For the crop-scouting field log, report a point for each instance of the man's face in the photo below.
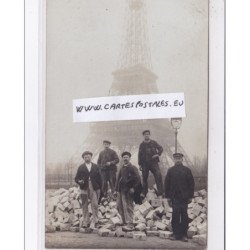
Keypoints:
(106, 145)
(87, 158)
(178, 160)
(126, 159)
(146, 136)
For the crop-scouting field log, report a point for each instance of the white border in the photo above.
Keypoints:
(12, 124)
(41, 128)
(216, 127)
(34, 103)
(31, 124)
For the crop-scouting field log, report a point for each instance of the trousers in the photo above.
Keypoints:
(108, 176)
(93, 195)
(180, 218)
(125, 207)
(154, 168)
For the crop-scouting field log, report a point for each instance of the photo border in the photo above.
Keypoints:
(35, 76)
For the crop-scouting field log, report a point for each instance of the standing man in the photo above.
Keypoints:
(179, 190)
(107, 161)
(89, 179)
(148, 159)
(128, 185)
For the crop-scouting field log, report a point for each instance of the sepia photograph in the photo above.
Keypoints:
(126, 124)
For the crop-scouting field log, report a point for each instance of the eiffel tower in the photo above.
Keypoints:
(134, 75)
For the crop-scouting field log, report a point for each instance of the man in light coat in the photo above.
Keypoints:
(89, 179)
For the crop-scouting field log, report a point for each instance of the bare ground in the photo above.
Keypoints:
(71, 240)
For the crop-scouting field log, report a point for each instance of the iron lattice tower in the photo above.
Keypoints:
(135, 48)
(133, 76)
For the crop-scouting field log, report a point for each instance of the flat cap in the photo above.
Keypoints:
(146, 131)
(177, 155)
(86, 153)
(106, 141)
(126, 153)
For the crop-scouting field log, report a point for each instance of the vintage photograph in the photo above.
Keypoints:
(126, 183)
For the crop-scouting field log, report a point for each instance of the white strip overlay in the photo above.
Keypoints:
(130, 107)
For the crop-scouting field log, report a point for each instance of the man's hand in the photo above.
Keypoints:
(104, 167)
(155, 156)
(108, 164)
(131, 191)
(115, 194)
(81, 181)
(169, 202)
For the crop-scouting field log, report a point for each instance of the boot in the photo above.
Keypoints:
(184, 239)
(128, 228)
(172, 237)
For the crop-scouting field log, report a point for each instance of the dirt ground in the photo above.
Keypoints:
(71, 240)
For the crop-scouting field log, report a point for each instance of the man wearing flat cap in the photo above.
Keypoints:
(107, 161)
(179, 190)
(148, 159)
(89, 179)
(128, 186)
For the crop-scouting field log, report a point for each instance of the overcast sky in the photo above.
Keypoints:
(84, 38)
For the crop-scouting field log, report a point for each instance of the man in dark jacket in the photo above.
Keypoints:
(148, 159)
(128, 183)
(89, 179)
(179, 190)
(107, 161)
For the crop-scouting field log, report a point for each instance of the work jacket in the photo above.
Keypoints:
(147, 150)
(84, 174)
(108, 155)
(128, 177)
(179, 183)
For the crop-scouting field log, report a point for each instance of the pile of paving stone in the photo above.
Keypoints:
(151, 218)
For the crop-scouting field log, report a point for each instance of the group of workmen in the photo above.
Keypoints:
(93, 180)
